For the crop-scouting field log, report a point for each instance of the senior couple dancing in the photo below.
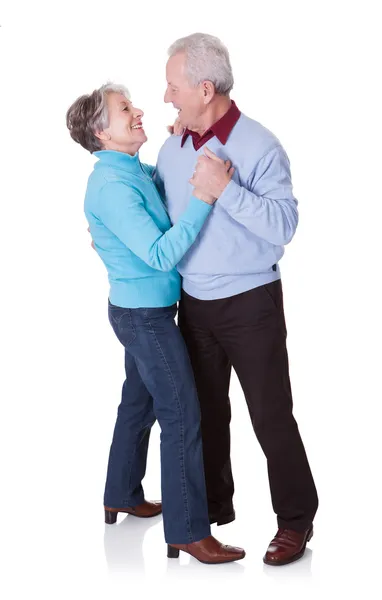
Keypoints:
(206, 228)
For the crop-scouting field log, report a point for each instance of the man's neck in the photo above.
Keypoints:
(215, 111)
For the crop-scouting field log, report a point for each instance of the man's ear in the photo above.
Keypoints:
(208, 91)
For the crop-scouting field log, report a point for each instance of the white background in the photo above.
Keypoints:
(309, 72)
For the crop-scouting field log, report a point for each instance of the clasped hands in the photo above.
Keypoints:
(211, 176)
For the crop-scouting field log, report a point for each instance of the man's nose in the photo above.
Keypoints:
(167, 96)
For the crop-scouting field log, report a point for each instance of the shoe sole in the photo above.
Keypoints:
(127, 512)
(289, 560)
(218, 562)
(143, 516)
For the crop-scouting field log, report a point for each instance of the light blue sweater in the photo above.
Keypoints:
(132, 232)
(253, 219)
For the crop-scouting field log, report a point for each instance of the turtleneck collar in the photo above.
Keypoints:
(121, 160)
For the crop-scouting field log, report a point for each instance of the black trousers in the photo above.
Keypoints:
(248, 332)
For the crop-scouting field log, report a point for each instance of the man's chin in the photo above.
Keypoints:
(182, 121)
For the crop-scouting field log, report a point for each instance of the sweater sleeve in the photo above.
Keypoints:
(148, 169)
(267, 207)
(158, 179)
(122, 211)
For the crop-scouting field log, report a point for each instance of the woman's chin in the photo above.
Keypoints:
(143, 139)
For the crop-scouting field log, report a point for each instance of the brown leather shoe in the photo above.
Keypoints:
(144, 511)
(287, 546)
(209, 551)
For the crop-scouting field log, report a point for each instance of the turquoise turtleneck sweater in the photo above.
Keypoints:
(132, 231)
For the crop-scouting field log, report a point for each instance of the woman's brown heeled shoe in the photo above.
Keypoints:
(143, 511)
(208, 551)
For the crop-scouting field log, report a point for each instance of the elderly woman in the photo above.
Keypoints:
(132, 234)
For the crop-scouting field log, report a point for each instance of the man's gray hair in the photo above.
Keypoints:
(89, 115)
(207, 59)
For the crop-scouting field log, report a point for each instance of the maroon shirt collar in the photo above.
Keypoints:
(221, 128)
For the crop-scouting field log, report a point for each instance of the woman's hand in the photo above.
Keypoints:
(176, 129)
(92, 244)
(204, 197)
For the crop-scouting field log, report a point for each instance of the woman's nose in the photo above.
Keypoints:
(138, 112)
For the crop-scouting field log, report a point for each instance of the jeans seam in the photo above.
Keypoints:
(181, 456)
(131, 468)
(138, 434)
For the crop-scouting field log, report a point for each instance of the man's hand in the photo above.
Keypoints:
(176, 129)
(92, 244)
(212, 174)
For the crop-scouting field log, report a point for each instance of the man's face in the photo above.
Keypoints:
(189, 101)
(125, 129)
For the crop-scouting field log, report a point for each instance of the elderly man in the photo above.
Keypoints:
(231, 312)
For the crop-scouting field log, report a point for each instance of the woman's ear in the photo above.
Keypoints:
(103, 136)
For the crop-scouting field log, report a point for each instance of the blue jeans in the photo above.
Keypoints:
(159, 385)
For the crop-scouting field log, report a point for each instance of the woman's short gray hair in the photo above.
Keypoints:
(89, 114)
(207, 59)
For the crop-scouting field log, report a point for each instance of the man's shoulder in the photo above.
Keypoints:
(254, 134)
(170, 146)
